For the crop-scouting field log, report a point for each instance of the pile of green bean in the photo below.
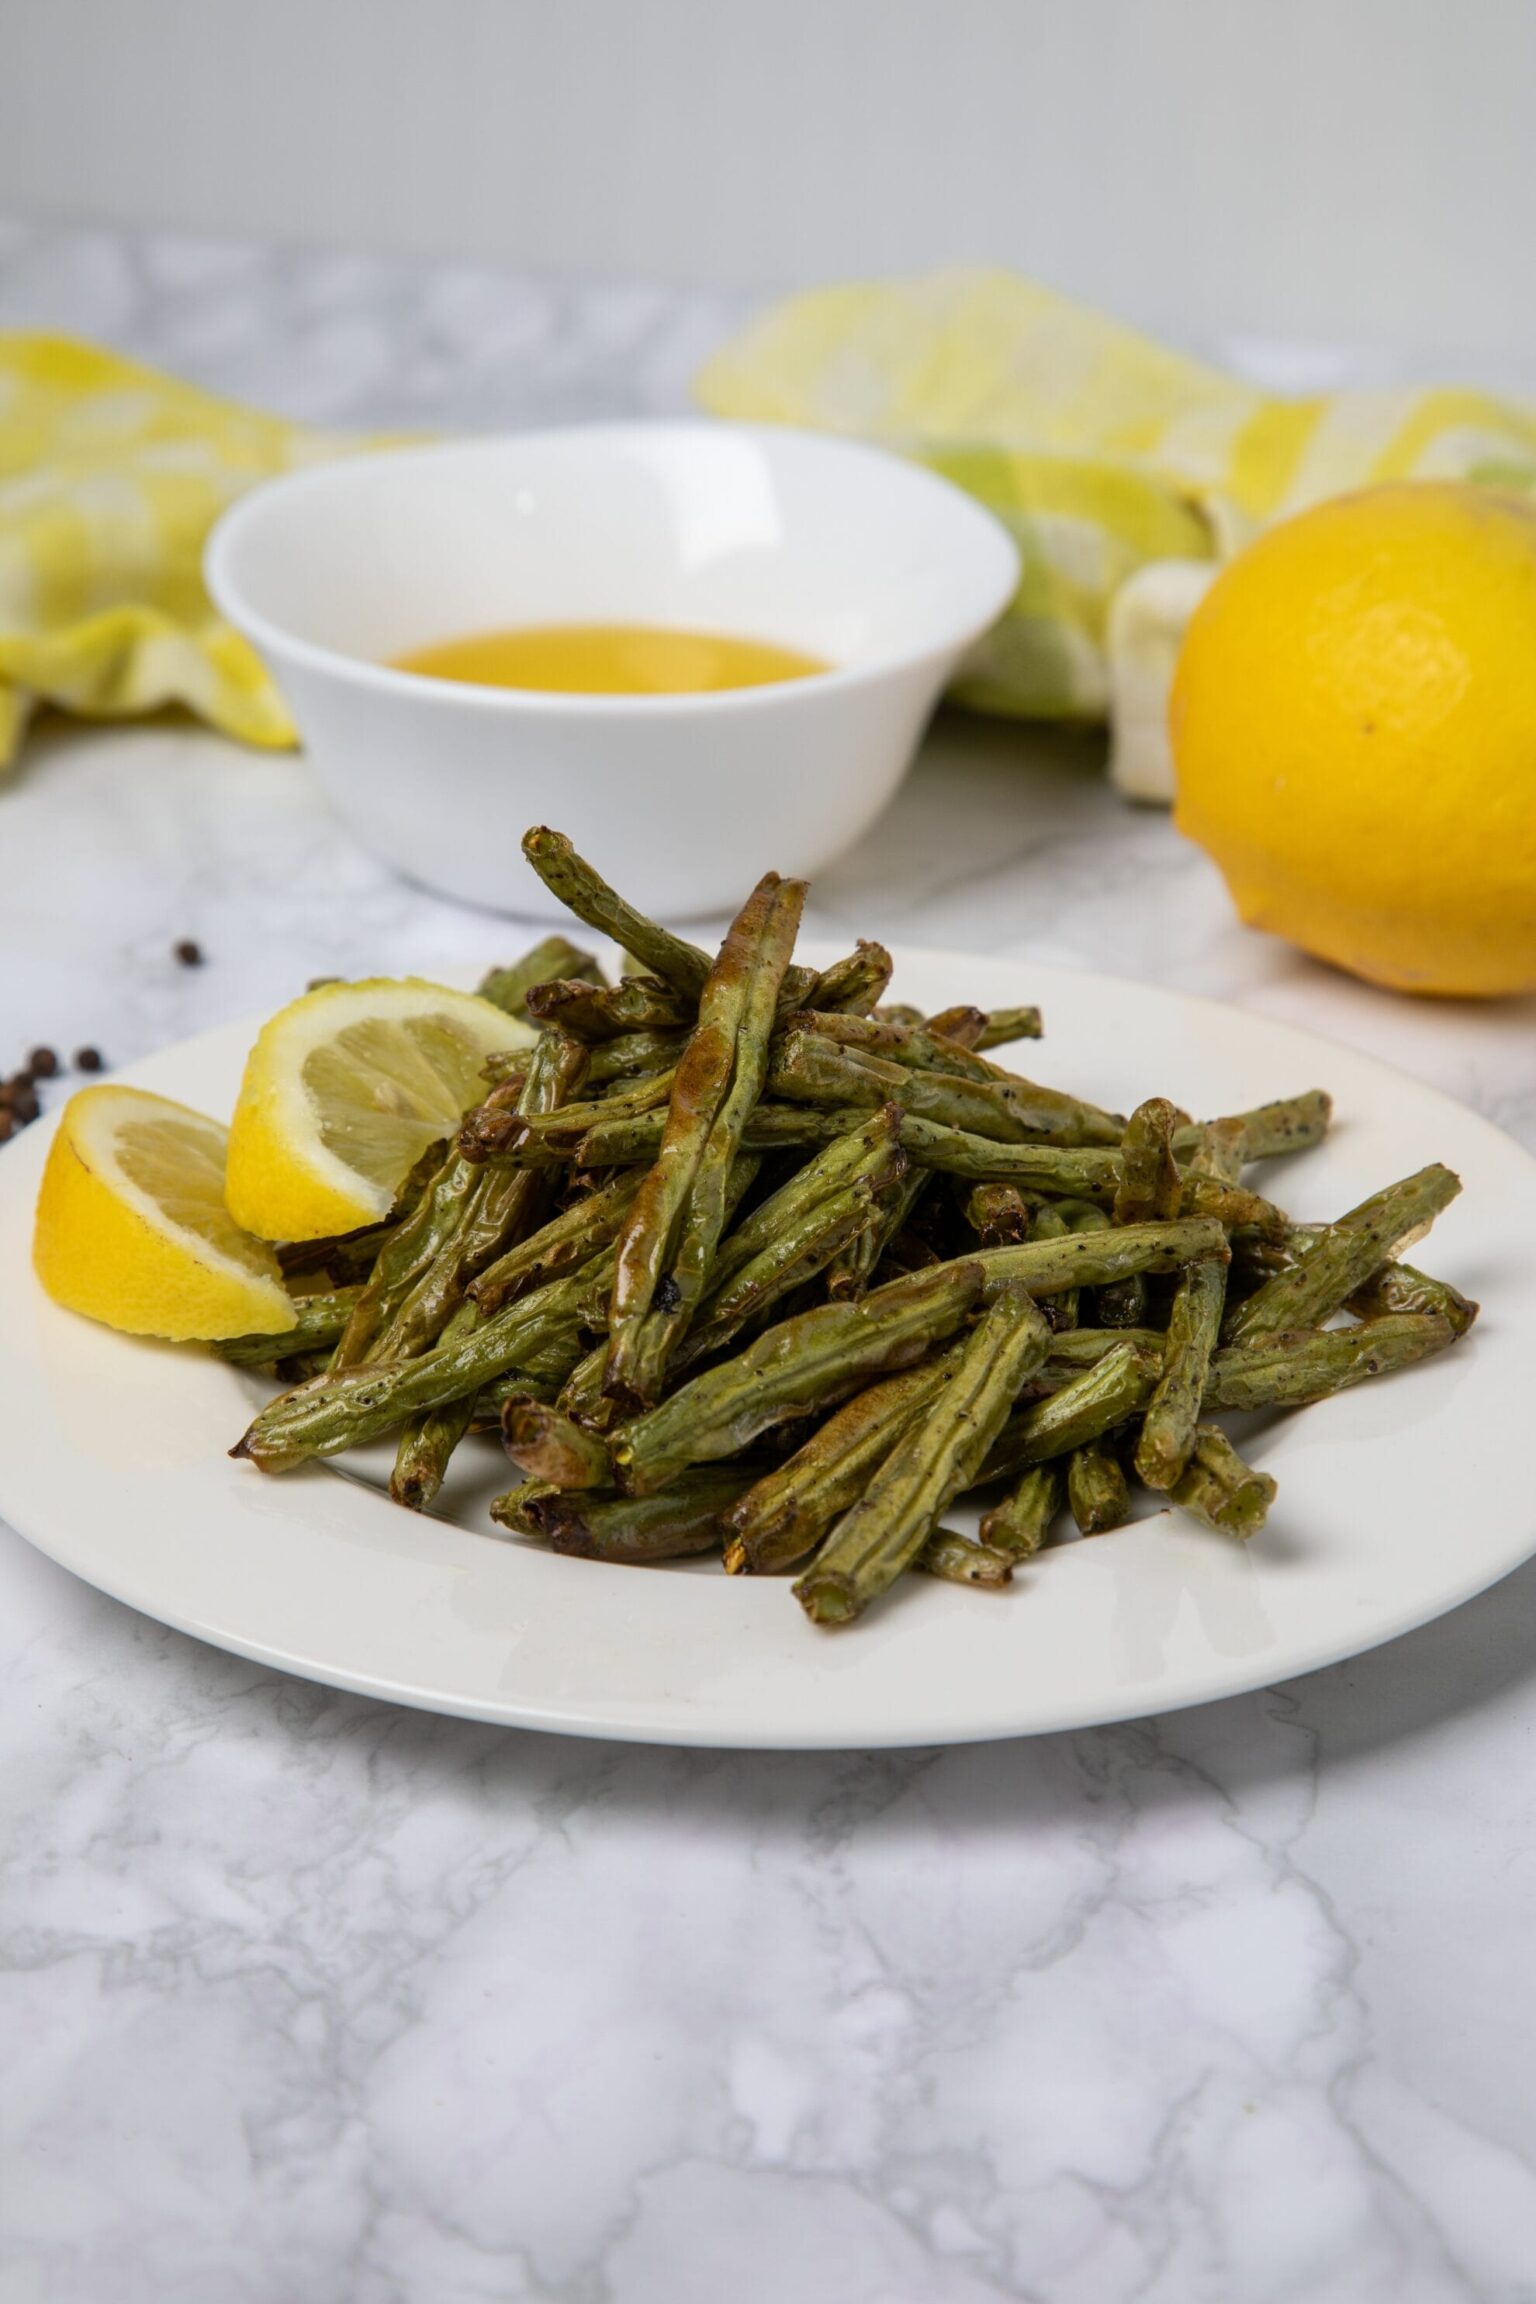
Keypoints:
(737, 1258)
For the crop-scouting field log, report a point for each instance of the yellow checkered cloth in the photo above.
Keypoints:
(110, 478)
(1101, 452)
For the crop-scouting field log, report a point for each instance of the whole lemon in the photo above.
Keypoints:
(1353, 722)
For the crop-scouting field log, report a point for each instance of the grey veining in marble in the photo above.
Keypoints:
(306, 2000)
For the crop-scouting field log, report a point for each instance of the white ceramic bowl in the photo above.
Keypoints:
(842, 551)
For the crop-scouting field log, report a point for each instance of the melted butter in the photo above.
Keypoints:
(610, 660)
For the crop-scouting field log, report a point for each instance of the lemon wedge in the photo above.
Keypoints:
(132, 1227)
(343, 1092)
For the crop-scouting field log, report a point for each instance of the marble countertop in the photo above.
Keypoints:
(307, 2000)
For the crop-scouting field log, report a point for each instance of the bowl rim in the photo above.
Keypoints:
(278, 640)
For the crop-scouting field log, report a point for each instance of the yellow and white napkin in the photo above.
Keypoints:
(1126, 472)
(110, 477)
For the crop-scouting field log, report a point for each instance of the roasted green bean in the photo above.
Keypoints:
(508, 988)
(815, 1356)
(1345, 1257)
(584, 892)
(675, 1222)
(934, 1460)
(1097, 1495)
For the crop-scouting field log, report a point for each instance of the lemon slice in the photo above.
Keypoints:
(132, 1226)
(343, 1092)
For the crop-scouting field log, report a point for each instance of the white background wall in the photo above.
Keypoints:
(1354, 170)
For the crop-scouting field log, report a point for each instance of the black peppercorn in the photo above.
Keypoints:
(89, 1060)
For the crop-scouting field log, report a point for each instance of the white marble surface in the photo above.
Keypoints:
(304, 2000)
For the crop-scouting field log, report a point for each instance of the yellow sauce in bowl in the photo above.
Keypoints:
(610, 660)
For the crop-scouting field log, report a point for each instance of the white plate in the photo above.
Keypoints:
(1397, 1501)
